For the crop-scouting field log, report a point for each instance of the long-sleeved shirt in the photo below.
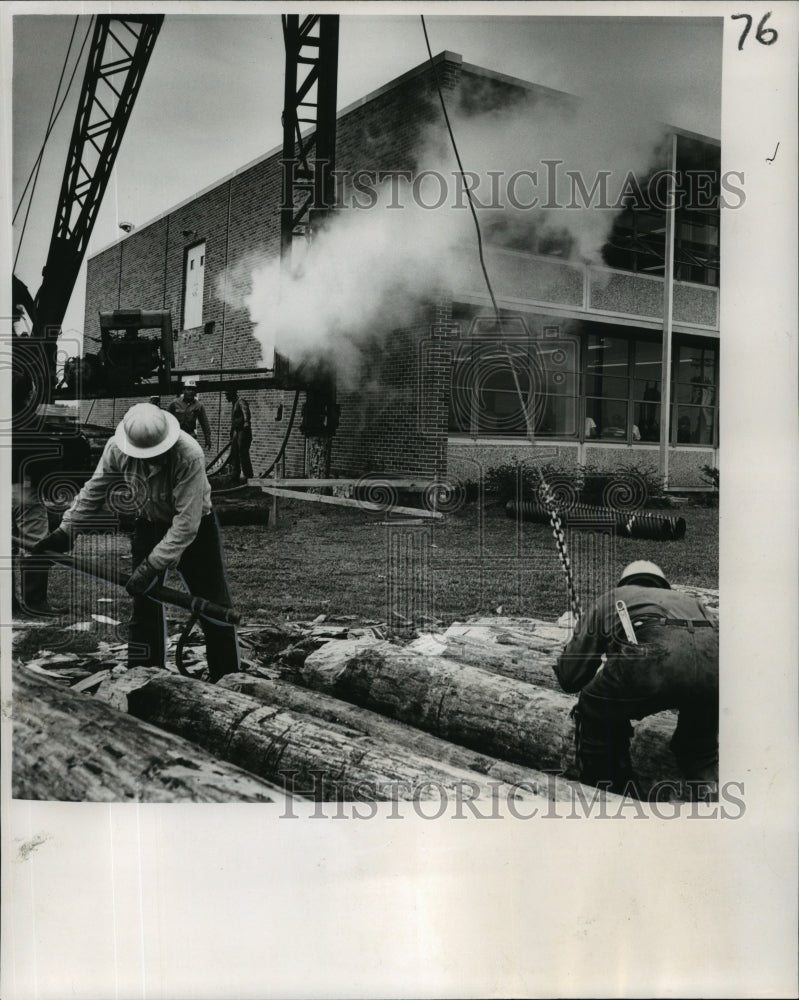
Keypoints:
(240, 414)
(176, 492)
(596, 630)
(188, 414)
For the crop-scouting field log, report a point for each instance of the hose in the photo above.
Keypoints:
(165, 595)
(631, 524)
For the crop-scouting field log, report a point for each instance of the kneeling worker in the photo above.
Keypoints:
(669, 660)
(164, 468)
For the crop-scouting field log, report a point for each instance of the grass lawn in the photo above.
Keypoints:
(336, 561)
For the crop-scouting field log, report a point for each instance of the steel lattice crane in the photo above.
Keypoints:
(120, 49)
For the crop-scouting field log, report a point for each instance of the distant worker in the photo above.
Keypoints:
(240, 436)
(175, 527)
(188, 409)
(28, 512)
(156, 401)
(672, 664)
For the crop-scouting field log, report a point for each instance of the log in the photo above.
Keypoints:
(522, 723)
(320, 760)
(284, 694)
(70, 748)
(466, 645)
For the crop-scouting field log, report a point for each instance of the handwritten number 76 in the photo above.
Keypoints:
(766, 36)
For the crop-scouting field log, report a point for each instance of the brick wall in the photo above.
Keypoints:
(240, 223)
(394, 418)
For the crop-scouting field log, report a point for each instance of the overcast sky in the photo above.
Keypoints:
(212, 95)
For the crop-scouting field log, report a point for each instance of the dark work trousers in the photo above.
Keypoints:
(672, 667)
(240, 452)
(202, 570)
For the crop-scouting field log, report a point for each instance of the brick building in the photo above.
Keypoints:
(440, 396)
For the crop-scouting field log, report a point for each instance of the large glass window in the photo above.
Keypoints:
(607, 387)
(637, 241)
(508, 383)
(623, 386)
(695, 407)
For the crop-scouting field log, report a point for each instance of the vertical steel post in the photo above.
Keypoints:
(668, 303)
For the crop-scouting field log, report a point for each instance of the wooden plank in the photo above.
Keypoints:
(266, 486)
(400, 484)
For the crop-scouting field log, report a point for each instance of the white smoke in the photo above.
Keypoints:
(370, 269)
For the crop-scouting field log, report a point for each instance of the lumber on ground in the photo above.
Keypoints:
(523, 723)
(309, 757)
(346, 501)
(71, 748)
(284, 694)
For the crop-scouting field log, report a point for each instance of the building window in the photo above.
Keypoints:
(507, 382)
(638, 239)
(623, 385)
(607, 388)
(193, 283)
(694, 394)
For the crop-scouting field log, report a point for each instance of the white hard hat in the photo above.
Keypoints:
(146, 431)
(642, 567)
(189, 383)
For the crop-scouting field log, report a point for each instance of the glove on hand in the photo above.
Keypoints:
(56, 541)
(142, 579)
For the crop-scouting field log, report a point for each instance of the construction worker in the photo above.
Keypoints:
(188, 410)
(164, 469)
(240, 436)
(29, 514)
(669, 659)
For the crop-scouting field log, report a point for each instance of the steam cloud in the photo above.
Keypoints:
(371, 268)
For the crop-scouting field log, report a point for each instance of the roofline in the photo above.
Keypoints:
(444, 56)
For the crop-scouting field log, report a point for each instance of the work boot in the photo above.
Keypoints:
(34, 594)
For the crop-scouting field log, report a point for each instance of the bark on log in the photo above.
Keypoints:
(529, 664)
(70, 748)
(522, 723)
(321, 760)
(286, 695)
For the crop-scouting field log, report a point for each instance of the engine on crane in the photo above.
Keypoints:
(127, 356)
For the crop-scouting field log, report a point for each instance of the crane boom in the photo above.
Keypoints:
(120, 50)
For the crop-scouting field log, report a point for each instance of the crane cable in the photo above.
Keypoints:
(545, 490)
(54, 114)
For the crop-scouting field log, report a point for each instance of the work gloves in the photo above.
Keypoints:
(143, 578)
(56, 541)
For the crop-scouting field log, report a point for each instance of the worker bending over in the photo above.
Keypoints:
(670, 661)
(164, 470)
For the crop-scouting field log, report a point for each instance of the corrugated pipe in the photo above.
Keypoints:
(632, 524)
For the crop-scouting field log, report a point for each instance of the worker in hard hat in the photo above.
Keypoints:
(661, 651)
(189, 411)
(164, 470)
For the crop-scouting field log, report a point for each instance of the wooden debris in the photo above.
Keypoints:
(320, 759)
(72, 748)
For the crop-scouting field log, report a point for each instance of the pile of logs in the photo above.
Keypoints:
(322, 711)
